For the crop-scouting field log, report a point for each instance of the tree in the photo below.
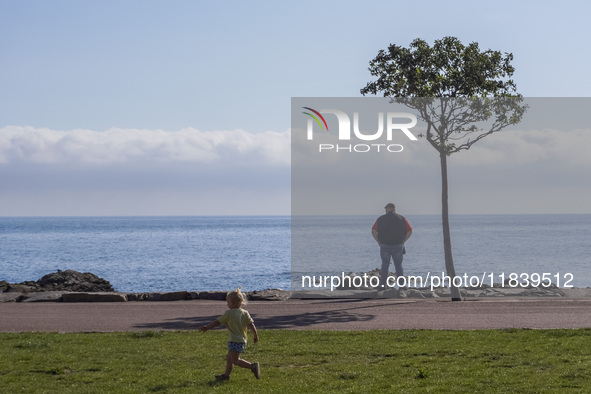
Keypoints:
(461, 93)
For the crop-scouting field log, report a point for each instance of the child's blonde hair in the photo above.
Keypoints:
(236, 297)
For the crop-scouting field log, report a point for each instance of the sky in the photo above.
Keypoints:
(183, 107)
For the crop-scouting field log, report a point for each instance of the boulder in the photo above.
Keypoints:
(193, 295)
(172, 296)
(10, 297)
(74, 281)
(175, 296)
(213, 295)
(94, 297)
(269, 295)
(137, 296)
(42, 296)
(24, 287)
(413, 293)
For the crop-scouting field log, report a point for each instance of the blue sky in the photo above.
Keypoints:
(218, 77)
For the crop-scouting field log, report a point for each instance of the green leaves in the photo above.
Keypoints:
(463, 93)
(448, 69)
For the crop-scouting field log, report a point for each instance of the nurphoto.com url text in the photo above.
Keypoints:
(433, 281)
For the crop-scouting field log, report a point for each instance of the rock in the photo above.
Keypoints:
(43, 296)
(171, 296)
(412, 293)
(74, 281)
(21, 288)
(155, 296)
(137, 296)
(68, 280)
(388, 293)
(269, 295)
(213, 295)
(10, 297)
(442, 292)
(94, 297)
(576, 292)
(491, 292)
(175, 296)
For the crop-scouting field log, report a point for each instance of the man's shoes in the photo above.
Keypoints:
(222, 377)
(256, 370)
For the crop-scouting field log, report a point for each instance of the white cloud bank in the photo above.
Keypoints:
(143, 172)
(191, 172)
(22, 144)
(47, 146)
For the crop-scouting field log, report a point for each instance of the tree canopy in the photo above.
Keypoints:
(475, 92)
(448, 69)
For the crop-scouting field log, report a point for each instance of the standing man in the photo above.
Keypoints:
(391, 231)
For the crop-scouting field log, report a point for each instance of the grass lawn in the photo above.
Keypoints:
(488, 361)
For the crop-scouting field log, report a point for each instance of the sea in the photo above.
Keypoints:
(207, 253)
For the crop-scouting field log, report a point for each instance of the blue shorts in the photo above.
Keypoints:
(236, 347)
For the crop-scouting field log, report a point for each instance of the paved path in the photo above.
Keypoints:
(328, 314)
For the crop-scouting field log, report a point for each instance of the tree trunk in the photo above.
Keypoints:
(449, 262)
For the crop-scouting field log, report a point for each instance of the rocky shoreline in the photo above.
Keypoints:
(66, 296)
(73, 286)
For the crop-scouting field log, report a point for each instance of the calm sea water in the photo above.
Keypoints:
(140, 254)
(220, 253)
(491, 245)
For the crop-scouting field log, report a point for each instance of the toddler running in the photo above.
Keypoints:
(237, 320)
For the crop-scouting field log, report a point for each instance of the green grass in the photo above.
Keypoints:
(409, 361)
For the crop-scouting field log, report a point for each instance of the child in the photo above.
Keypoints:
(237, 320)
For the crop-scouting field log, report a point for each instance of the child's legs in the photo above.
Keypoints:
(229, 364)
(234, 358)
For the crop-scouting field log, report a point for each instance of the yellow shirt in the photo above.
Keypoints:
(237, 321)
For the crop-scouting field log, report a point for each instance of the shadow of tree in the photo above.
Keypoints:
(284, 321)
